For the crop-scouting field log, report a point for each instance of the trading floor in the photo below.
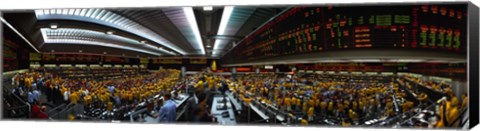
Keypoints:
(341, 99)
(391, 66)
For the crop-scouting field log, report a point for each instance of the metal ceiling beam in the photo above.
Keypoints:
(19, 34)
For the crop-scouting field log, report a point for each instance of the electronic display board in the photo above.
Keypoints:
(307, 29)
(167, 61)
(198, 61)
(10, 55)
(35, 56)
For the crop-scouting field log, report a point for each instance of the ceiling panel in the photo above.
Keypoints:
(257, 17)
(108, 18)
(167, 28)
(186, 22)
(157, 21)
(238, 16)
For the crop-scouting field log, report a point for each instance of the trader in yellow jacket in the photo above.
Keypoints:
(422, 97)
(464, 101)
(330, 108)
(211, 83)
(109, 106)
(311, 102)
(452, 111)
(87, 100)
(287, 103)
(298, 104)
(323, 107)
(293, 102)
(441, 120)
(279, 102)
(305, 106)
(355, 105)
(340, 109)
(74, 97)
(345, 123)
(304, 122)
(310, 113)
(361, 106)
(199, 86)
(352, 115)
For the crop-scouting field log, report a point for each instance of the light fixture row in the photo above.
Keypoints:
(85, 35)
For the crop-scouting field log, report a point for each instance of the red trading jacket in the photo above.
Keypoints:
(36, 113)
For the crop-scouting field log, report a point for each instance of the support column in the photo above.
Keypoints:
(459, 88)
(425, 78)
(234, 72)
(184, 72)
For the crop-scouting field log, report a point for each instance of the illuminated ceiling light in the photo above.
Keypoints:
(54, 26)
(96, 43)
(77, 11)
(110, 32)
(194, 27)
(410, 60)
(207, 8)
(331, 61)
(366, 60)
(80, 51)
(227, 12)
(209, 46)
(52, 51)
(83, 34)
(143, 42)
(64, 11)
(19, 34)
(105, 53)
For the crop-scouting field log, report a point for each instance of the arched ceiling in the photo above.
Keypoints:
(152, 32)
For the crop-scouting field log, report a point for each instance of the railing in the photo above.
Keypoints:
(63, 114)
(433, 95)
(459, 118)
(24, 107)
(54, 110)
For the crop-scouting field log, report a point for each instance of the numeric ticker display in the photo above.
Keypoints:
(307, 29)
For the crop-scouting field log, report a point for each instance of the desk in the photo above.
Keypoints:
(180, 102)
(142, 108)
(258, 111)
(234, 101)
(151, 120)
(218, 113)
(261, 113)
(433, 95)
(279, 115)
